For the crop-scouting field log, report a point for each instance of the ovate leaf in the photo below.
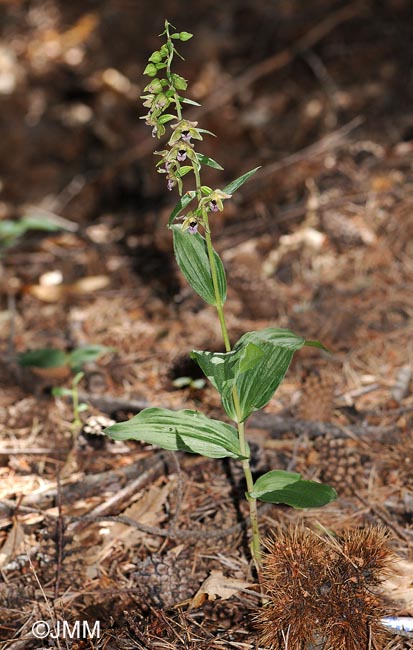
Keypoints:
(278, 486)
(257, 384)
(185, 430)
(192, 258)
(276, 479)
(256, 366)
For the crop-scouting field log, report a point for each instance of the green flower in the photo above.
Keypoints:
(181, 151)
(190, 223)
(213, 201)
(184, 130)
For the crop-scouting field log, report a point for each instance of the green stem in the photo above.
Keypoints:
(76, 419)
(256, 543)
(171, 50)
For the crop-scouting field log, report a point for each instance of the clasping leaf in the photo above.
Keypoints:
(192, 257)
(256, 367)
(184, 430)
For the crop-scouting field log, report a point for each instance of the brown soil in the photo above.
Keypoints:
(320, 241)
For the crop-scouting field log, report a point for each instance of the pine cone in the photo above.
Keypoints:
(342, 463)
(225, 613)
(165, 580)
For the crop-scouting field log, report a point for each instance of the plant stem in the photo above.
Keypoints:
(256, 543)
(170, 46)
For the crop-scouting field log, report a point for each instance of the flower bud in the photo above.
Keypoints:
(150, 70)
(185, 36)
(154, 87)
(156, 57)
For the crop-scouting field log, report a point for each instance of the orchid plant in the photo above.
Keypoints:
(247, 374)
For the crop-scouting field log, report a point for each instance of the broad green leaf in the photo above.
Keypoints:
(44, 358)
(256, 366)
(86, 354)
(249, 357)
(218, 368)
(181, 205)
(276, 479)
(180, 430)
(205, 160)
(278, 486)
(235, 185)
(257, 385)
(192, 258)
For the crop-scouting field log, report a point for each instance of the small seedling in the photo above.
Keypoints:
(52, 359)
(11, 230)
(247, 374)
(73, 393)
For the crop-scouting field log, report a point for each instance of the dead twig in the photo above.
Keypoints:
(110, 404)
(31, 451)
(118, 500)
(327, 143)
(278, 425)
(59, 538)
(168, 532)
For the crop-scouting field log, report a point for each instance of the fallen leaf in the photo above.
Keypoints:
(89, 284)
(399, 586)
(48, 293)
(55, 292)
(217, 585)
(13, 544)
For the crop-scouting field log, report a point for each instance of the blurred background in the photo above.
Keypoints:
(320, 96)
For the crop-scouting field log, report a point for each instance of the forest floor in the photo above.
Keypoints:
(319, 241)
